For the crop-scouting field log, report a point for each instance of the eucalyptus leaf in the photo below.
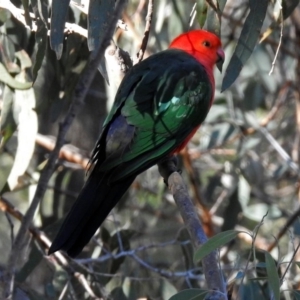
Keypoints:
(201, 12)
(41, 36)
(273, 278)
(100, 11)
(24, 113)
(214, 243)
(247, 41)
(8, 124)
(58, 19)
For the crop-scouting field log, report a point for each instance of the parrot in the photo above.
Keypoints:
(159, 105)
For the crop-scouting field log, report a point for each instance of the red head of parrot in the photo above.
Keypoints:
(205, 46)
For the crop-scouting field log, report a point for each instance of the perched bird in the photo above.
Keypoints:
(160, 104)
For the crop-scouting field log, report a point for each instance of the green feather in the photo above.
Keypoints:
(164, 98)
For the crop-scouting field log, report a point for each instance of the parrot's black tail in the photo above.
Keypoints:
(92, 206)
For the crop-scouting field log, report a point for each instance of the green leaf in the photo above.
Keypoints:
(215, 242)
(201, 12)
(273, 278)
(191, 294)
(41, 42)
(12, 82)
(58, 20)
(41, 36)
(8, 124)
(247, 41)
(213, 23)
(4, 15)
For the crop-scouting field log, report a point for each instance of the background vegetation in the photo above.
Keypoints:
(241, 168)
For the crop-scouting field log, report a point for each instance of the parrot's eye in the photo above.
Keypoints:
(206, 44)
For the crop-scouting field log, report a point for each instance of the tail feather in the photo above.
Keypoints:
(92, 206)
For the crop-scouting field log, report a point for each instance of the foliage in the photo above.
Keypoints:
(242, 166)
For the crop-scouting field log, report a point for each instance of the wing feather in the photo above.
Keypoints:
(161, 101)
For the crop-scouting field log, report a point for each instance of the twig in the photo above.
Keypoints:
(67, 152)
(141, 52)
(279, 43)
(213, 275)
(284, 229)
(290, 263)
(80, 92)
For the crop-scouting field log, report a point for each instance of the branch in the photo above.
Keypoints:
(140, 54)
(213, 275)
(69, 153)
(78, 100)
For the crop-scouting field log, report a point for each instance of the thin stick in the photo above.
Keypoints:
(141, 53)
(279, 44)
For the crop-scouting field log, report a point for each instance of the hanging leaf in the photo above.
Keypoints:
(8, 124)
(213, 21)
(201, 12)
(247, 41)
(214, 243)
(100, 13)
(26, 118)
(40, 10)
(273, 278)
(58, 19)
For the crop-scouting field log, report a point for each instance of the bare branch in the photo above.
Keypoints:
(213, 275)
(140, 54)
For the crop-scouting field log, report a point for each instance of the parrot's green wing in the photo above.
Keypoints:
(159, 103)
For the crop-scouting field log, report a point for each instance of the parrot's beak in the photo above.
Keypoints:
(221, 58)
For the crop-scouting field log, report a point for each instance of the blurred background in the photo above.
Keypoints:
(241, 168)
